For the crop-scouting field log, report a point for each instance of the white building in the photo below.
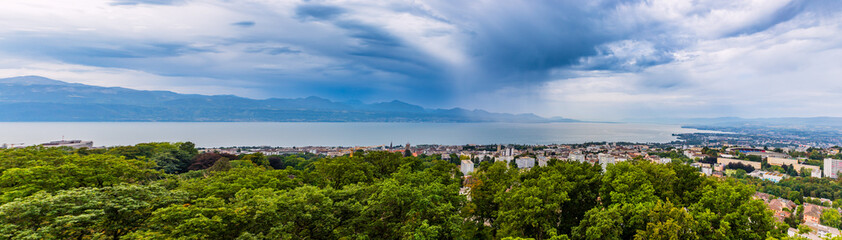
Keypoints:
(542, 161)
(605, 159)
(525, 162)
(707, 170)
(818, 231)
(579, 157)
(467, 167)
(832, 167)
(771, 176)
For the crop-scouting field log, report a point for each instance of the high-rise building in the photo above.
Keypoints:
(604, 160)
(832, 167)
(467, 167)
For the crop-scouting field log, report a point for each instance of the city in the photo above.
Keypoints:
(812, 215)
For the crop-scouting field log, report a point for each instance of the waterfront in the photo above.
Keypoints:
(286, 134)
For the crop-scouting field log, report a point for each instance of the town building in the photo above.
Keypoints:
(70, 143)
(815, 171)
(707, 170)
(832, 167)
(505, 159)
(726, 161)
(525, 162)
(772, 176)
(782, 208)
(812, 213)
(467, 167)
(604, 160)
(777, 161)
(818, 232)
(543, 160)
(579, 157)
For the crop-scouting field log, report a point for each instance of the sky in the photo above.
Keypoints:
(606, 60)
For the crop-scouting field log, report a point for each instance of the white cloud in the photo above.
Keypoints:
(788, 70)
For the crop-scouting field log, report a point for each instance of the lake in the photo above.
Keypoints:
(286, 134)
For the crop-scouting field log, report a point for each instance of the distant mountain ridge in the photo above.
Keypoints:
(33, 98)
(780, 122)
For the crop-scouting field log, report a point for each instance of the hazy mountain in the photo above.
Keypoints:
(783, 122)
(33, 98)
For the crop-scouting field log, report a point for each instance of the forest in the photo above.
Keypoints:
(171, 191)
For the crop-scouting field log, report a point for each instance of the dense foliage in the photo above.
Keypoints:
(164, 191)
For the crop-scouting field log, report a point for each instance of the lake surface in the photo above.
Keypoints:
(286, 134)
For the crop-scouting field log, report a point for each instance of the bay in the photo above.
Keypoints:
(287, 134)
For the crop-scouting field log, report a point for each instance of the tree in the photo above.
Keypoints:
(276, 162)
(225, 184)
(587, 179)
(419, 205)
(805, 172)
(171, 158)
(340, 171)
(804, 229)
(222, 164)
(206, 160)
(257, 158)
(384, 163)
(688, 184)
(744, 167)
(82, 213)
(665, 221)
(831, 217)
(486, 185)
(644, 220)
(623, 182)
(300, 213)
(797, 216)
(533, 209)
(602, 223)
(727, 210)
(73, 171)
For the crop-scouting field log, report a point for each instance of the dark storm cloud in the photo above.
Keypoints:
(430, 51)
(521, 42)
(370, 46)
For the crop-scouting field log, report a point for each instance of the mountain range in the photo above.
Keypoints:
(803, 123)
(34, 98)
